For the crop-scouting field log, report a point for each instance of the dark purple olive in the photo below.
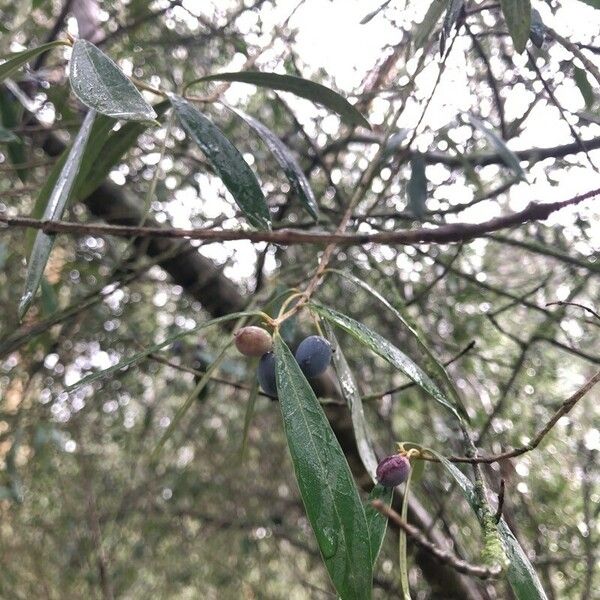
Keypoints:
(266, 374)
(313, 355)
(393, 470)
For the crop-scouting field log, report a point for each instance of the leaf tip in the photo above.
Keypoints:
(24, 304)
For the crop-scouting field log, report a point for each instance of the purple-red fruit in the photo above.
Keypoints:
(253, 341)
(313, 355)
(266, 374)
(393, 470)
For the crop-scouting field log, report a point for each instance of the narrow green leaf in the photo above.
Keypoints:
(592, 3)
(370, 16)
(250, 407)
(49, 299)
(136, 357)
(10, 117)
(583, 83)
(116, 145)
(57, 203)
(353, 398)
(517, 14)
(537, 35)
(376, 521)
(97, 162)
(452, 13)
(7, 136)
(296, 85)
(384, 348)
(101, 85)
(227, 161)
(15, 61)
(417, 186)
(510, 159)
(435, 369)
(332, 502)
(520, 572)
(424, 29)
(283, 155)
(402, 543)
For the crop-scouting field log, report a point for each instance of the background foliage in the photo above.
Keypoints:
(487, 123)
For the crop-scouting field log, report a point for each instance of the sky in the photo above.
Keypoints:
(331, 39)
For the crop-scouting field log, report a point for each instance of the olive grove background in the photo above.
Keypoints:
(88, 508)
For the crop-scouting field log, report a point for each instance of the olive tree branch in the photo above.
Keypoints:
(455, 232)
(445, 556)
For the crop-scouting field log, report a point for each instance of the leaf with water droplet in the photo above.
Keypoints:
(509, 158)
(517, 14)
(520, 572)
(354, 400)
(384, 348)
(416, 348)
(57, 203)
(227, 161)
(287, 162)
(376, 521)
(328, 490)
(296, 85)
(100, 84)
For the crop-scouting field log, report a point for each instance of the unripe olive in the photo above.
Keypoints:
(393, 470)
(313, 355)
(252, 341)
(266, 374)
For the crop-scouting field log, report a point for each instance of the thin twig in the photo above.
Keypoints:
(564, 409)
(442, 555)
(562, 303)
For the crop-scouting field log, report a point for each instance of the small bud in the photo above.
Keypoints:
(253, 341)
(393, 470)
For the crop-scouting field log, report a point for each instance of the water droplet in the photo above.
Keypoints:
(328, 542)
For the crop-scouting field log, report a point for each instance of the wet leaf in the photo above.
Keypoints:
(425, 28)
(227, 161)
(582, 82)
(57, 203)
(286, 161)
(250, 408)
(417, 186)
(10, 117)
(520, 572)
(304, 88)
(386, 350)
(376, 521)
(537, 35)
(101, 85)
(509, 158)
(517, 14)
(452, 13)
(435, 369)
(353, 398)
(403, 563)
(138, 356)
(332, 502)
